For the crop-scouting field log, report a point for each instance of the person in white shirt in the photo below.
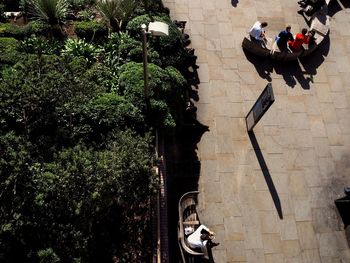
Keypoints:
(201, 239)
(257, 32)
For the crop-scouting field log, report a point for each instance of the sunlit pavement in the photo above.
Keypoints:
(304, 138)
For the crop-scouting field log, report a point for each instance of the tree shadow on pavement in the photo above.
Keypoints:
(183, 171)
(266, 173)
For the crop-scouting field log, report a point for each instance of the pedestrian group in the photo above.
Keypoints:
(285, 40)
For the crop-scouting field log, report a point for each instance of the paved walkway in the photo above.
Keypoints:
(304, 137)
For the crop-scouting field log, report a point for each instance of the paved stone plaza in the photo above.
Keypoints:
(304, 138)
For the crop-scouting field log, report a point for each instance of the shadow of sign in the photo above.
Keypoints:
(266, 173)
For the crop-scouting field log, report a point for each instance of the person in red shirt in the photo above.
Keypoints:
(300, 39)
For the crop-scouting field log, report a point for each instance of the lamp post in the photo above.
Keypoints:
(154, 29)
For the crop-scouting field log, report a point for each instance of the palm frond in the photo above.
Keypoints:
(118, 10)
(49, 10)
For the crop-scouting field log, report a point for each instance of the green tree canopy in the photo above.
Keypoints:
(84, 204)
(166, 91)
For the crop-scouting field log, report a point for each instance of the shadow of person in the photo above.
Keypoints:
(336, 6)
(234, 3)
(263, 66)
(313, 61)
(292, 73)
(210, 258)
(345, 3)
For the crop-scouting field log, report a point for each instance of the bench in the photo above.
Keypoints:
(188, 217)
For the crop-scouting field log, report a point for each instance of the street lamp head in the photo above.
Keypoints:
(143, 26)
(158, 28)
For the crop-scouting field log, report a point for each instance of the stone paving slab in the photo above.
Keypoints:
(304, 138)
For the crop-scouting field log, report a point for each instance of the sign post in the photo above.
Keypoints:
(262, 104)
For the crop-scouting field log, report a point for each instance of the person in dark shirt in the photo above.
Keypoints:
(283, 37)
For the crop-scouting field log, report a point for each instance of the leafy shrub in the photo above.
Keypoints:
(72, 202)
(170, 48)
(20, 32)
(123, 43)
(48, 256)
(109, 111)
(31, 93)
(90, 30)
(80, 48)
(104, 113)
(151, 7)
(8, 51)
(79, 4)
(40, 45)
(90, 189)
(104, 75)
(166, 86)
(85, 15)
(39, 28)
(8, 43)
(11, 30)
(121, 48)
(2, 15)
(161, 116)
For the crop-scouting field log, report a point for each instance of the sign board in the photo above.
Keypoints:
(261, 105)
(343, 206)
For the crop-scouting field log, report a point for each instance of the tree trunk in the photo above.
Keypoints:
(57, 31)
(114, 25)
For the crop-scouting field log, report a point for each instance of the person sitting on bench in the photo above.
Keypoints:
(257, 33)
(283, 37)
(201, 239)
(300, 39)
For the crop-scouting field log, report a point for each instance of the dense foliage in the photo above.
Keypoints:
(76, 131)
(70, 164)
